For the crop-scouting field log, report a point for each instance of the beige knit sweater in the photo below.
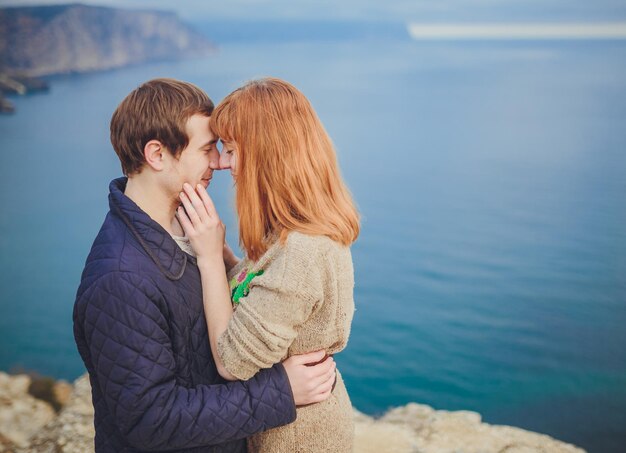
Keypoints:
(302, 302)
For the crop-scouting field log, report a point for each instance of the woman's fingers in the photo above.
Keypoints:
(185, 222)
(206, 199)
(196, 202)
(191, 210)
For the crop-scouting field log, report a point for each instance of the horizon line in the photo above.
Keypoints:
(517, 31)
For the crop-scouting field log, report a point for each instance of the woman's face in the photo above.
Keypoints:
(228, 157)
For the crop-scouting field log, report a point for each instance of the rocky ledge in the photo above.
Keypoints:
(29, 424)
(16, 83)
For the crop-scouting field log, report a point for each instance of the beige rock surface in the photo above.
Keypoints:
(420, 428)
(21, 415)
(63, 391)
(6, 446)
(72, 431)
(414, 428)
(378, 436)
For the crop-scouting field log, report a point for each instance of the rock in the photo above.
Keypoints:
(43, 388)
(62, 392)
(417, 416)
(414, 428)
(21, 83)
(6, 446)
(18, 84)
(5, 105)
(53, 39)
(72, 431)
(21, 415)
(374, 436)
(420, 428)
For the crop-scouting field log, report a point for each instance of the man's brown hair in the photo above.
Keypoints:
(156, 110)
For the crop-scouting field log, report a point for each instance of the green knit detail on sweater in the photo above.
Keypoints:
(240, 286)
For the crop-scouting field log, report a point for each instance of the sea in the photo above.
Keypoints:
(491, 179)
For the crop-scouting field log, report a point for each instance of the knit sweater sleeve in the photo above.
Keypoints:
(236, 269)
(267, 320)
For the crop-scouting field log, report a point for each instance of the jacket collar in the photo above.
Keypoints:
(157, 242)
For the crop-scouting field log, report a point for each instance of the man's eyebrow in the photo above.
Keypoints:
(210, 143)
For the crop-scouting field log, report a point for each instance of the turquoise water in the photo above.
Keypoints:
(491, 269)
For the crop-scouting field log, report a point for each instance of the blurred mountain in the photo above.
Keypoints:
(43, 40)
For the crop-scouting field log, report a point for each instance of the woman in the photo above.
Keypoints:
(293, 293)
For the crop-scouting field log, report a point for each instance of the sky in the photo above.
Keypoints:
(437, 11)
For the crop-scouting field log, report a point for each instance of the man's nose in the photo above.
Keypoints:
(214, 164)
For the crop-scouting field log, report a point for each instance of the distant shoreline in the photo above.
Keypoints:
(18, 84)
(37, 41)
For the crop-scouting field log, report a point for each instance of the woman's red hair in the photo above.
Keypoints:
(288, 178)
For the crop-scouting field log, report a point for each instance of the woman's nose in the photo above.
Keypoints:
(224, 162)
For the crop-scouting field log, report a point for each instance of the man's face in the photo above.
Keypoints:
(196, 162)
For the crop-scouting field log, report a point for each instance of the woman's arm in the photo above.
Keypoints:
(206, 232)
(217, 306)
(260, 332)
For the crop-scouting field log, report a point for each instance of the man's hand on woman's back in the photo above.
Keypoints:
(310, 383)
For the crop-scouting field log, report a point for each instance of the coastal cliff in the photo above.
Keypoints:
(44, 40)
(28, 424)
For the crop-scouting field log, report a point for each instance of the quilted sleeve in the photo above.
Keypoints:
(134, 366)
(267, 320)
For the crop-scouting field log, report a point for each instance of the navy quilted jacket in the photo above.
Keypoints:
(140, 328)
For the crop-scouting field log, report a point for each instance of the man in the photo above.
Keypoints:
(138, 318)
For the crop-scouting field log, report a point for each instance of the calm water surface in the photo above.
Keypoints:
(491, 269)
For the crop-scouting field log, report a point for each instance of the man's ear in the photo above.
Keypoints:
(154, 153)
